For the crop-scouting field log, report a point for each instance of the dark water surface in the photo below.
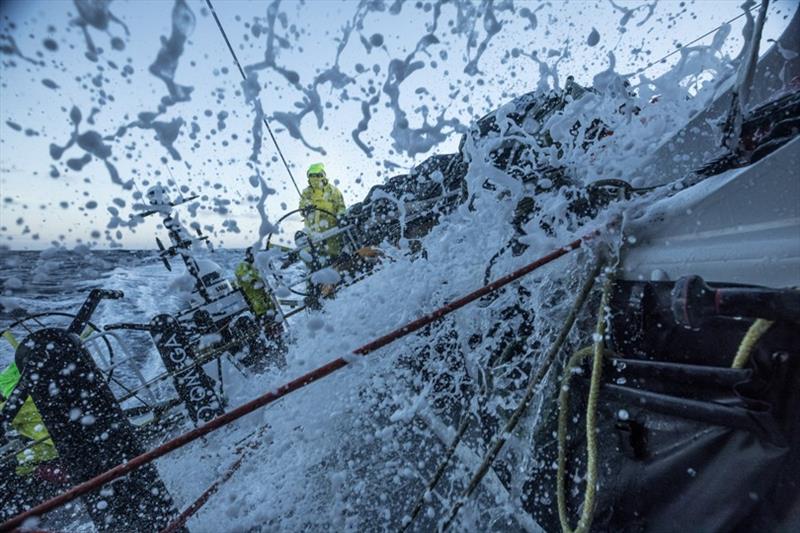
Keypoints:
(59, 280)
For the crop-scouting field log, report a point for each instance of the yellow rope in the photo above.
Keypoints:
(753, 335)
(500, 439)
(590, 492)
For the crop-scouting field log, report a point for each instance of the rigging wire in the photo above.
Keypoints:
(275, 141)
(244, 77)
(706, 34)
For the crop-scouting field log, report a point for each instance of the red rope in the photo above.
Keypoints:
(179, 522)
(298, 383)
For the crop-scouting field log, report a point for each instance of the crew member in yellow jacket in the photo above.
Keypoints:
(321, 204)
(36, 475)
(28, 424)
(252, 285)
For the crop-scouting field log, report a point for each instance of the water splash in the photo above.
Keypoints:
(363, 124)
(96, 14)
(629, 12)
(96, 145)
(594, 37)
(251, 89)
(492, 27)
(166, 63)
(533, 21)
(265, 227)
(9, 47)
(91, 142)
(312, 101)
(406, 139)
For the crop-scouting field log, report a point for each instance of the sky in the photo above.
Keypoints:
(423, 79)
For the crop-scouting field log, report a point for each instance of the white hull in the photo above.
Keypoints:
(742, 226)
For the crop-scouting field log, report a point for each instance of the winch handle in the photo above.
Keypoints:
(89, 306)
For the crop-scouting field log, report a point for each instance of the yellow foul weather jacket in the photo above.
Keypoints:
(327, 201)
(27, 423)
(252, 285)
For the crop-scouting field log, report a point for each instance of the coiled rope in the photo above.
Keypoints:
(590, 492)
(502, 437)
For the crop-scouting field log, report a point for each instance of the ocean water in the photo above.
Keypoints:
(36, 284)
(353, 451)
